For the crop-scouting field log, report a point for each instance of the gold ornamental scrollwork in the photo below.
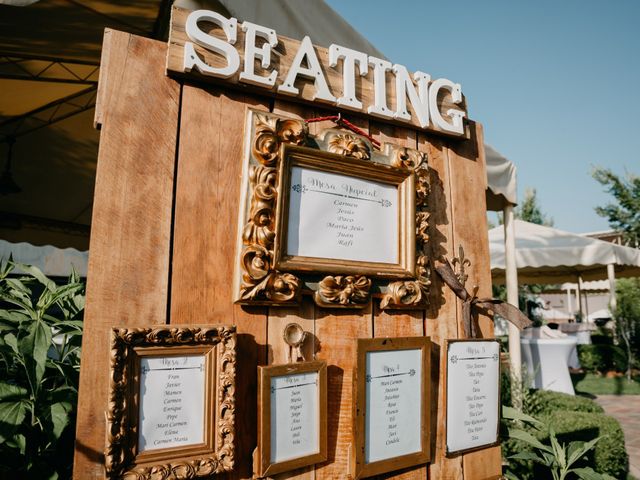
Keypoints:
(343, 291)
(271, 132)
(349, 146)
(122, 422)
(413, 293)
(260, 281)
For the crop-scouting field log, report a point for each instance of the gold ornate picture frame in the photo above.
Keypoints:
(292, 433)
(392, 405)
(268, 273)
(157, 375)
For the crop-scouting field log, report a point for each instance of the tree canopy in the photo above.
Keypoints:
(529, 210)
(624, 214)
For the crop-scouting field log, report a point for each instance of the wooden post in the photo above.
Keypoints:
(511, 277)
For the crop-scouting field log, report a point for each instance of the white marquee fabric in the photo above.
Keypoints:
(548, 255)
(501, 179)
(54, 262)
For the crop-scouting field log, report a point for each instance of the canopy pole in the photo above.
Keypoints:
(511, 279)
(611, 275)
(579, 290)
(569, 301)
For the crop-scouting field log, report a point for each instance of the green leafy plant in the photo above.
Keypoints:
(40, 335)
(559, 459)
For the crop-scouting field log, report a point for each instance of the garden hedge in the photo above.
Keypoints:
(602, 358)
(545, 402)
(609, 455)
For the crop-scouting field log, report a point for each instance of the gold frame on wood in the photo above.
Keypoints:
(446, 405)
(360, 469)
(295, 156)
(216, 453)
(263, 466)
(266, 276)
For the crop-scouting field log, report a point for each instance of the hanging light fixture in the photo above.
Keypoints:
(7, 184)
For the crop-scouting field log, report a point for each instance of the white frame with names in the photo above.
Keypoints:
(471, 363)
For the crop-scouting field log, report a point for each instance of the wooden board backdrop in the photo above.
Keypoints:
(163, 237)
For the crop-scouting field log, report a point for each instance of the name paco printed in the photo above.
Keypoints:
(421, 92)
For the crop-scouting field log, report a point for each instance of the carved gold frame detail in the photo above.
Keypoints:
(216, 454)
(262, 278)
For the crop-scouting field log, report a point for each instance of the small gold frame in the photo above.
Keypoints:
(216, 453)
(263, 465)
(402, 179)
(361, 469)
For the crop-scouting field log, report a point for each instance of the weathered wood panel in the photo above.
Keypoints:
(468, 184)
(128, 274)
(281, 59)
(206, 211)
(441, 316)
(142, 267)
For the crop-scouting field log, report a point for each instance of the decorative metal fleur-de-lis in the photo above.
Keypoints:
(459, 265)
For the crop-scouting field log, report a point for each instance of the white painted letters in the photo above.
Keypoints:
(351, 58)
(226, 49)
(313, 71)
(251, 52)
(307, 65)
(456, 115)
(379, 107)
(419, 100)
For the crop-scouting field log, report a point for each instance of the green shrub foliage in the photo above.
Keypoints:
(544, 402)
(602, 358)
(609, 455)
(574, 420)
(40, 335)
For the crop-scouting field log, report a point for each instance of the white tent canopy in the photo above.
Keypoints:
(54, 262)
(548, 255)
(501, 180)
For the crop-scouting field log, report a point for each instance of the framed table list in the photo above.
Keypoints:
(342, 216)
(392, 393)
(171, 401)
(292, 412)
(473, 394)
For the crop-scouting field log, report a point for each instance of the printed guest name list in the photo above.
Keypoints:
(472, 394)
(393, 404)
(295, 416)
(171, 402)
(342, 217)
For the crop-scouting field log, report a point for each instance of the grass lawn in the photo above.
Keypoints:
(590, 383)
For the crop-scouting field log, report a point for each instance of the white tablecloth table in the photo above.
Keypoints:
(547, 361)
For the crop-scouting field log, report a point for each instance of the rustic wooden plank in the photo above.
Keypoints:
(279, 318)
(282, 57)
(110, 65)
(440, 317)
(304, 315)
(206, 215)
(131, 225)
(398, 323)
(468, 186)
(337, 332)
